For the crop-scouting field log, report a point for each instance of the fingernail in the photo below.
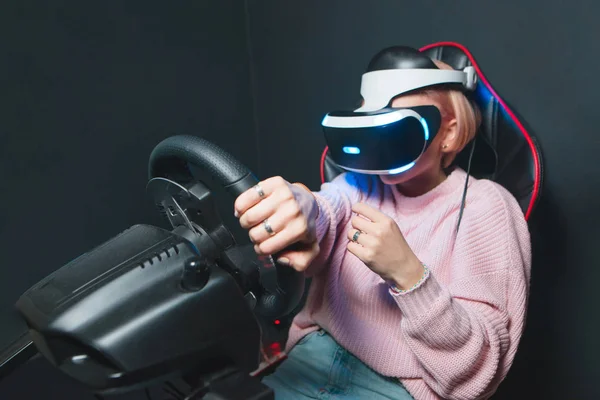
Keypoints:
(283, 261)
(236, 214)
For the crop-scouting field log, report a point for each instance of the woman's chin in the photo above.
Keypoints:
(396, 178)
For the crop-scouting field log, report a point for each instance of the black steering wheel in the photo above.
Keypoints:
(178, 171)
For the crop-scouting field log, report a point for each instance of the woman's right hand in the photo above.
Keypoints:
(291, 213)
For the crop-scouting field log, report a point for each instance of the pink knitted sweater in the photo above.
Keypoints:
(456, 335)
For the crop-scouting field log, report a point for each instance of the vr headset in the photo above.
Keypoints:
(378, 139)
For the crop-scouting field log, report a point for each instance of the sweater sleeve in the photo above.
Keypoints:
(335, 201)
(465, 333)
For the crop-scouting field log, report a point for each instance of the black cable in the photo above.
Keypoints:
(200, 391)
(174, 395)
(175, 389)
(464, 195)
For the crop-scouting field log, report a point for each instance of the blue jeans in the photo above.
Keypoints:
(319, 368)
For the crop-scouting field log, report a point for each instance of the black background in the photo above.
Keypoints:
(86, 92)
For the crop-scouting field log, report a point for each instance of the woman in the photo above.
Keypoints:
(402, 305)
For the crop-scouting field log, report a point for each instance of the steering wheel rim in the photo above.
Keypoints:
(177, 157)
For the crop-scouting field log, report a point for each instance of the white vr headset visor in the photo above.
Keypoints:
(379, 139)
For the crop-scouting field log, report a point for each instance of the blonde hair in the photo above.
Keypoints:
(454, 104)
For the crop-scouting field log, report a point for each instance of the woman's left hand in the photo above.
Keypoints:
(382, 247)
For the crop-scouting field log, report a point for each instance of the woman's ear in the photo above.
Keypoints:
(449, 143)
(450, 137)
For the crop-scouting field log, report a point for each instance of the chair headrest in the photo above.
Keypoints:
(505, 151)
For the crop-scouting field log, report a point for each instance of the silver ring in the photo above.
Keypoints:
(355, 237)
(259, 190)
(267, 227)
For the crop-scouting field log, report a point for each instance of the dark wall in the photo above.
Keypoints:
(87, 89)
(308, 57)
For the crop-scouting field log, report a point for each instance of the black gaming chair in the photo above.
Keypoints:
(505, 151)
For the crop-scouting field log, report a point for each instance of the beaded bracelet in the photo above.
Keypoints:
(395, 290)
